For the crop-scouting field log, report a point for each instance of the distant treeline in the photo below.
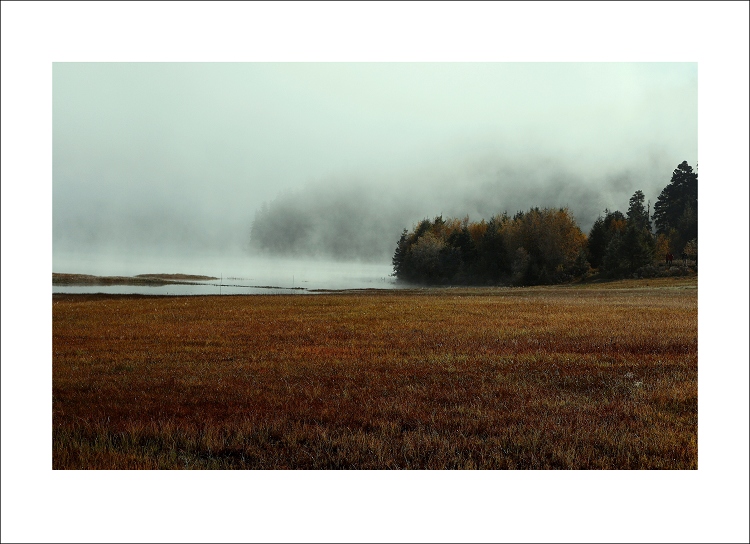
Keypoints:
(544, 246)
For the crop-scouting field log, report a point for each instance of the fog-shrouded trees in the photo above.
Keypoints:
(620, 245)
(676, 210)
(545, 245)
(336, 221)
(538, 246)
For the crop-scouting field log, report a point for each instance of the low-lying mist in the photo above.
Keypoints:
(346, 217)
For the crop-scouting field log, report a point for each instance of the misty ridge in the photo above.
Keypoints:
(361, 220)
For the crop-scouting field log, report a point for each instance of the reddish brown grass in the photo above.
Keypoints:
(595, 377)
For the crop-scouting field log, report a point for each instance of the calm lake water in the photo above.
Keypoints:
(237, 275)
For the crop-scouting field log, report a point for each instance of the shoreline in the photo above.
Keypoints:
(140, 279)
(155, 280)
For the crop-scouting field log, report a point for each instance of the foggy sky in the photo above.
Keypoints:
(178, 157)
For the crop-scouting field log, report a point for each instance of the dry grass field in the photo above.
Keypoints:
(598, 376)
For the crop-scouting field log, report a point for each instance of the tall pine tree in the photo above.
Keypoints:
(632, 247)
(637, 214)
(677, 205)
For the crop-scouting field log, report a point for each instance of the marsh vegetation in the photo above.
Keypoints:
(598, 376)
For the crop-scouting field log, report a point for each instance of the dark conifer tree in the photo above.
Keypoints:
(400, 254)
(637, 214)
(677, 205)
(601, 235)
(597, 242)
(632, 247)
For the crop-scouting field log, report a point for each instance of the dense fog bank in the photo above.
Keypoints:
(362, 220)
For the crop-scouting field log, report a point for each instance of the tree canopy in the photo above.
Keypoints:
(538, 246)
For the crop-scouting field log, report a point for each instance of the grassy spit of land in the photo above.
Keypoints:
(597, 376)
(140, 279)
